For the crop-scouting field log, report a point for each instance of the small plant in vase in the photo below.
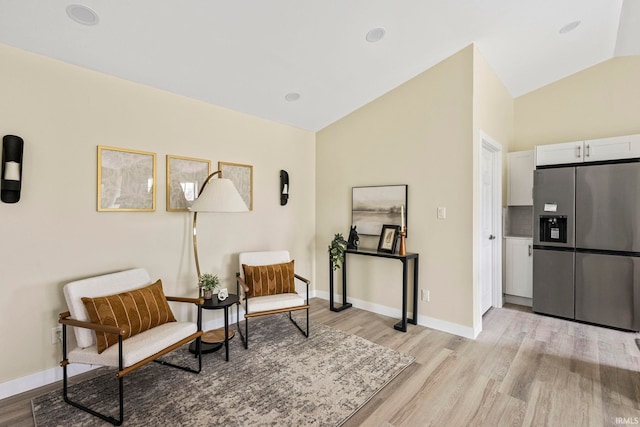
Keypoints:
(208, 283)
(336, 250)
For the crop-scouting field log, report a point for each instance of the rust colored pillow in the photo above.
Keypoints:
(134, 311)
(269, 279)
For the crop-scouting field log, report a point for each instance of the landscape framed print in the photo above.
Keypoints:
(126, 180)
(373, 206)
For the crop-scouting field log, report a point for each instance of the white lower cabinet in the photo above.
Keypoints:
(519, 268)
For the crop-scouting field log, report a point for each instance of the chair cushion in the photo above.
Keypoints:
(271, 279)
(136, 348)
(134, 311)
(274, 302)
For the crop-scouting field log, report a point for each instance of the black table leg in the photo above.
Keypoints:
(402, 326)
(414, 320)
(345, 304)
(226, 332)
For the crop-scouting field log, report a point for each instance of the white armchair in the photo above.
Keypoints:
(130, 343)
(266, 285)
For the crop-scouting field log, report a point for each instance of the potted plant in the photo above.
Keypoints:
(208, 283)
(336, 250)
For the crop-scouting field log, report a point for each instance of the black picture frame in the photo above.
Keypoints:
(388, 238)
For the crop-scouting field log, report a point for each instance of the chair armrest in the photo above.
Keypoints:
(241, 281)
(307, 281)
(65, 320)
(197, 301)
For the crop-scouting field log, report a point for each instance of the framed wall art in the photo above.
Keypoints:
(374, 206)
(388, 238)
(242, 178)
(126, 180)
(185, 177)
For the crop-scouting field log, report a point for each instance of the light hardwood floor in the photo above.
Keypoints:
(522, 370)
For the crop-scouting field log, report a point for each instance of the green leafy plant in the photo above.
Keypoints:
(336, 250)
(208, 282)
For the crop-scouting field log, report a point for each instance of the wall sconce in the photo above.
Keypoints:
(11, 182)
(284, 187)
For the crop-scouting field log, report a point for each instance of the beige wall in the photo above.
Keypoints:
(418, 134)
(54, 234)
(601, 101)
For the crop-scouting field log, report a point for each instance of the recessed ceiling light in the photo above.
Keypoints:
(292, 96)
(375, 34)
(82, 14)
(569, 27)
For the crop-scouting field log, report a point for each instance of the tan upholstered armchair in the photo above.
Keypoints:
(266, 285)
(124, 321)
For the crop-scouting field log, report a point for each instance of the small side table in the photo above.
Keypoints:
(212, 340)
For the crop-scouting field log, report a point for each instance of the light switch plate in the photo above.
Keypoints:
(442, 213)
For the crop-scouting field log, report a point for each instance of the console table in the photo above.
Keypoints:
(402, 325)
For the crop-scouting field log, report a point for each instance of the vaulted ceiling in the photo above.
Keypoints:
(307, 63)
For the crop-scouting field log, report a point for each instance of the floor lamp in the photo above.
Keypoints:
(216, 195)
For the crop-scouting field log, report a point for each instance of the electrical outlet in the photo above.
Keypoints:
(428, 296)
(424, 295)
(442, 213)
(56, 334)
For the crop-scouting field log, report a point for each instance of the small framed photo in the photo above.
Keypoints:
(388, 238)
(185, 177)
(126, 180)
(242, 178)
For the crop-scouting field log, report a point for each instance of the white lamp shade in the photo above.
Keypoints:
(219, 195)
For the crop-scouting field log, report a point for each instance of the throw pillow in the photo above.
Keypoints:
(269, 279)
(134, 311)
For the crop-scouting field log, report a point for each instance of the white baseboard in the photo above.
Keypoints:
(513, 299)
(39, 379)
(429, 322)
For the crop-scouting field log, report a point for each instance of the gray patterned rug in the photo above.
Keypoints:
(282, 379)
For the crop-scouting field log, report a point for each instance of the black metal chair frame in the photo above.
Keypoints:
(122, 371)
(245, 337)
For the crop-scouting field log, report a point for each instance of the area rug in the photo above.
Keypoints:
(282, 379)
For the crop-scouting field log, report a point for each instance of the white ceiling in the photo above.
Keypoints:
(248, 54)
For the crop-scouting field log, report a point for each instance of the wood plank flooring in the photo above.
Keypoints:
(523, 370)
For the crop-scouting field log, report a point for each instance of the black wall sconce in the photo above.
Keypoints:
(11, 178)
(284, 187)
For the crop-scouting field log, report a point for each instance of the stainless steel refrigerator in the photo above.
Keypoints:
(586, 257)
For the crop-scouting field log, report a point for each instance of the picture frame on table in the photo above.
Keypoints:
(388, 238)
(185, 178)
(126, 180)
(242, 178)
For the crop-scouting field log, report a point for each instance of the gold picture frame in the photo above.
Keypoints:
(242, 177)
(126, 180)
(185, 177)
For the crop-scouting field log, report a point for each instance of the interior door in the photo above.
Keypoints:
(488, 239)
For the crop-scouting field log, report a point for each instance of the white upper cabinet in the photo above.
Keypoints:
(557, 154)
(520, 183)
(619, 147)
(593, 150)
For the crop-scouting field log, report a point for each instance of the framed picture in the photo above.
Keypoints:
(242, 178)
(185, 177)
(126, 180)
(374, 206)
(388, 238)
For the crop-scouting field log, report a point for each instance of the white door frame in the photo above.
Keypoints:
(485, 141)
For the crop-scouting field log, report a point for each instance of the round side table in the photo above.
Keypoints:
(214, 339)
